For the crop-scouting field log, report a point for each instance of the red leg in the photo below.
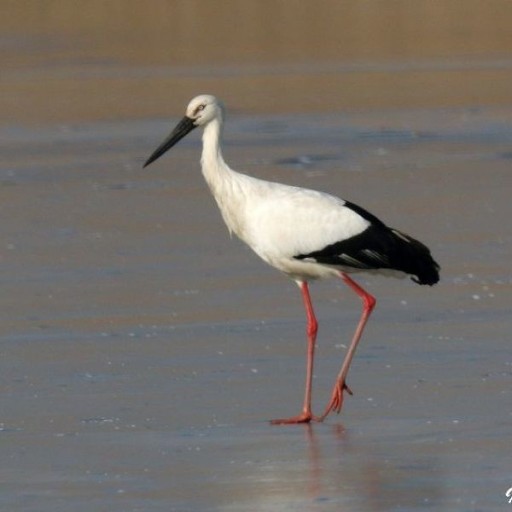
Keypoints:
(306, 416)
(368, 304)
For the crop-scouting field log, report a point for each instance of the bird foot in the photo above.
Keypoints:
(305, 417)
(336, 399)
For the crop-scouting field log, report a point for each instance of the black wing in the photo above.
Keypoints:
(379, 247)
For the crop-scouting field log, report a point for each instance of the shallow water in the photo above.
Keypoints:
(143, 351)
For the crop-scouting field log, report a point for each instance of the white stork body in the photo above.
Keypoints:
(280, 222)
(304, 233)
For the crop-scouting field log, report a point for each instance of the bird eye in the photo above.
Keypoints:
(198, 109)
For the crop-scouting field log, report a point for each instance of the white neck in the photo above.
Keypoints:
(215, 170)
(226, 185)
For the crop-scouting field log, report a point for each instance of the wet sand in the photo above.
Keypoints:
(143, 351)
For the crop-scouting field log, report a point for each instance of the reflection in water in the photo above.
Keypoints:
(314, 459)
(332, 470)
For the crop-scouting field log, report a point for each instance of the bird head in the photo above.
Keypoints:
(203, 109)
(200, 111)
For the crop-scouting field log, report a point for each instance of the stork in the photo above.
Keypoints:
(303, 233)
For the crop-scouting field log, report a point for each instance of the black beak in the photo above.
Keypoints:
(186, 125)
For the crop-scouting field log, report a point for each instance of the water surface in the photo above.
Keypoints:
(143, 351)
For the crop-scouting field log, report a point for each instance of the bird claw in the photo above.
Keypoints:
(295, 420)
(337, 398)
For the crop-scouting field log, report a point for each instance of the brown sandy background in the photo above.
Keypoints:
(142, 350)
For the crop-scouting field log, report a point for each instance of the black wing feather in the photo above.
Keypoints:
(380, 247)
